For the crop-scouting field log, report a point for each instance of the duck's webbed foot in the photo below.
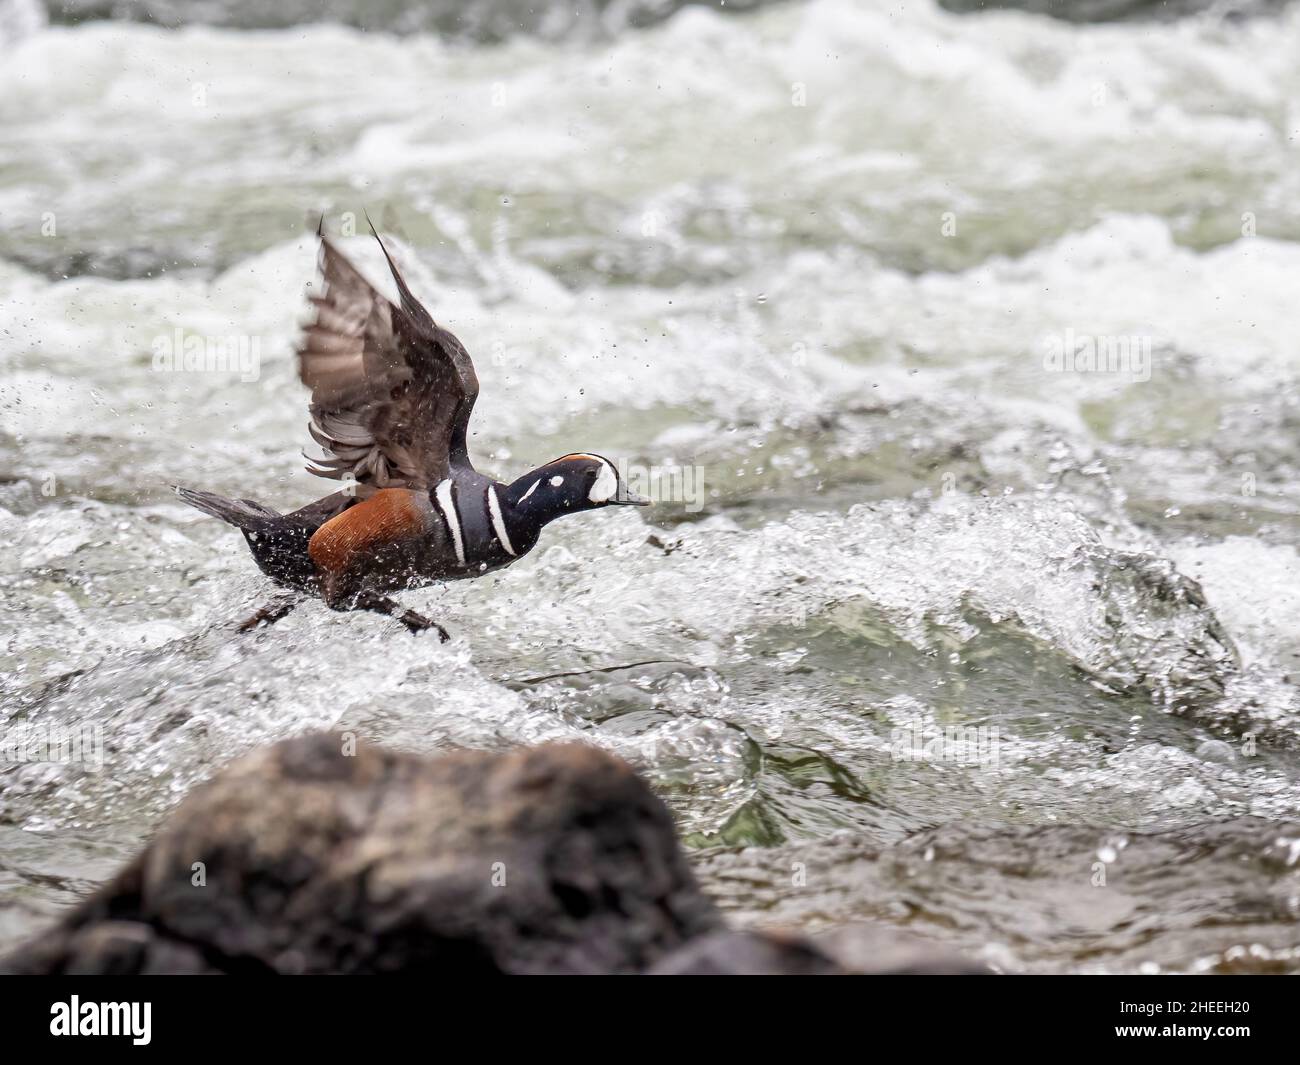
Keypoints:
(383, 605)
(270, 614)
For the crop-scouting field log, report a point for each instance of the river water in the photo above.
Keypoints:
(940, 621)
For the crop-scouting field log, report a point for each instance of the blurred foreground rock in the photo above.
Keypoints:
(301, 858)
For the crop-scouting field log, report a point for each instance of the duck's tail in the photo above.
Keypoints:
(243, 513)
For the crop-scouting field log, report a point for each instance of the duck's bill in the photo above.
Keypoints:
(630, 499)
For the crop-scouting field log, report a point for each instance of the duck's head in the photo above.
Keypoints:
(570, 485)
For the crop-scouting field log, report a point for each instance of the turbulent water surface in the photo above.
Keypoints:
(825, 266)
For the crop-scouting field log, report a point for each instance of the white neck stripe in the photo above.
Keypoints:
(498, 523)
(448, 507)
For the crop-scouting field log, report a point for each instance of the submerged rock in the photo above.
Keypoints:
(474, 21)
(730, 953)
(1121, 10)
(322, 855)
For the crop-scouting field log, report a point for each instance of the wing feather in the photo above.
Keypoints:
(391, 390)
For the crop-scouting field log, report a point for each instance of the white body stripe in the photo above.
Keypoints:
(498, 523)
(447, 506)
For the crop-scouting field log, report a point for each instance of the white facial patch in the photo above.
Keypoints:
(531, 489)
(606, 484)
(556, 481)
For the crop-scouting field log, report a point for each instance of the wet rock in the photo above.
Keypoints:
(460, 20)
(322, 855)
(304, 858)
(748, 954)
(128, 948)
(854, 949)
(872, 949)
(1120, 10)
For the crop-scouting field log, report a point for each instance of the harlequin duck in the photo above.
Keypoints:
(391, 396)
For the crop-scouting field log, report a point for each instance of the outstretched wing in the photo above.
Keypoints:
(391, 390)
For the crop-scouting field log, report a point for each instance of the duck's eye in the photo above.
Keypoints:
(556, 481)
